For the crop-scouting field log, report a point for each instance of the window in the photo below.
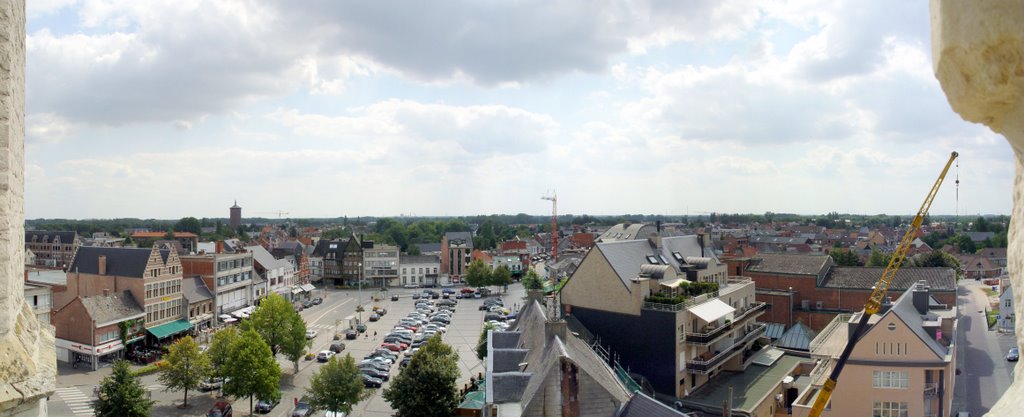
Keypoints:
(890, 379)
(889, 409)
(1009, 303)
(652, 259)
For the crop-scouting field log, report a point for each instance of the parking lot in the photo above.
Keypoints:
(462, 334)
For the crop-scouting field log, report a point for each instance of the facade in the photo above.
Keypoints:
(1006, 312)
(40, 299)
(513, 263)
(904, 364)
(626, 231)
(88, 329)
(420, 270)
(456, 252)
(667, 308)
(152, 276)
(235, 216)
(342, 260)
(229, 276)
(189, 241)
(52, 249)
(380, 265)
(278, 273)
(200, 302)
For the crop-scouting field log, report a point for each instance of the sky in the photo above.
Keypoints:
(324, 108)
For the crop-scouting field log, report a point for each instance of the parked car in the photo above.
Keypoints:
(415, 296)
(371, 382)
(302, 409)
(325, 355)
(394, 297)
(405, 362)
(1013, 355)
(448, 291)
(361, 328)
(374, 317)
(351, 334)
(337, 347)
(220, 409)
(264, 406)
(383, 376)
(307, 303)
(317, 301)
(380, 366)
(211, 384)
(411, 286)
(392, 347)
(310, 334)
(494, 316)
(458, 296)
(467, 290)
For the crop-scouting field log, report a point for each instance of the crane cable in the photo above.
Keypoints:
(957, 208)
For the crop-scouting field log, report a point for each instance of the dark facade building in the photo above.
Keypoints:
(52, 249)
(456, 251)
(343, 260)
(236, 216)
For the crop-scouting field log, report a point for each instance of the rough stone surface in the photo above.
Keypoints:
(28, 366)
(978, 56)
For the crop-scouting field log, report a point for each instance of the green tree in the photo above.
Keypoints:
(220, 349)
(936, 258)
(963, 242)
(877, 258)
(122, 395)
(532, 281)
(426, 388)
(478, 274)
(414, 250)
(501, 276)
(186, 367)
(337, 386)
(295, 344)
(169, 235)
(273, 320)
(845, 258)
(252, 370)
(188, 224)
(481, 344)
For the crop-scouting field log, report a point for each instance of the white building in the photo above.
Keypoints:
(380, 265)
(279, 273)
(513, 263)
(419, 270)
(1006, 316)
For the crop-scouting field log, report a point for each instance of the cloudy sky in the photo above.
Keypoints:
(165, 109)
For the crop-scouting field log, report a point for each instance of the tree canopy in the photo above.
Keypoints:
(532, 281)
(336, 386)
(188, 224)
(481, 344)
(426, 388)
(845, 258)
(478, 274)
(274, 320)
(501, 276)
(186, 367)
(252, 370)
(122, 395)
(220, 349)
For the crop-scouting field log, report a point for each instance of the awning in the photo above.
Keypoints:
(296, 290)
(169, 329)
(672, 283)
(230, 320)
(225, 316)
(308, 287)
(712, 310)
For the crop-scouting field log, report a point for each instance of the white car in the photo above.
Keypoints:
(411, 285)
(310, 334)
(325, 355)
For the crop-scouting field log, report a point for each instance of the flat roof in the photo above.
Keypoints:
(749, 387)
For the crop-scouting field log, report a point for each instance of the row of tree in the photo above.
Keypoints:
(480, 274)
(935, 258)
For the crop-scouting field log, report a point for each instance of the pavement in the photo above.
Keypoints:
(74, 386)
(984, 372)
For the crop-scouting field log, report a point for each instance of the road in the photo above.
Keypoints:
(985, 374)
(74, 393)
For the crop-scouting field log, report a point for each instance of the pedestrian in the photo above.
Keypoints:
(374, 334)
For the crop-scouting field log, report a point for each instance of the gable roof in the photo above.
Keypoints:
(643, 406)
(627, 256)
(466, 236)
(125, 262)
(46, 236)
(194, 290)
(857, 277)
(623, 231)
(112, 308)
(265, 259)
(905, 310)
(418, 259)
(790, 264)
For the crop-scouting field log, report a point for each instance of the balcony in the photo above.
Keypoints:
(704, 365)
(752, 309)
(708, 336)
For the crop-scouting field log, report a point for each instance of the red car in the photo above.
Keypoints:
(466, 290)
(392, 347)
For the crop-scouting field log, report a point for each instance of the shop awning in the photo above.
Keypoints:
(296, 290)
(166, 330)
(308, 287)
(712, 310)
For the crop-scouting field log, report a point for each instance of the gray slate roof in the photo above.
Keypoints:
(125, 262)
(779, 240)
(467, 236)
(114, 307)
(429, 247)
(855, 277)
(194, 289)
(643, 406)
(627, 256)
(47, 236)
(790, 264)
(905, 310)
(622, 231)
(419, 259)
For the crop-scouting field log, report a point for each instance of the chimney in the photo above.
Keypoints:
(920, 295)
(657, 226)
(102, 267)
(219, 247)
(655, 240)
(106, 292)
(555, 328)
(700, 241)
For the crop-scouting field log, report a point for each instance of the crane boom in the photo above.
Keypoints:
(874, 303)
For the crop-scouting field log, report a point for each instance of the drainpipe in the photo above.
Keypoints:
(790, 306)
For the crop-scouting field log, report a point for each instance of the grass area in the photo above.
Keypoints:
(990, 315)
(989, 292)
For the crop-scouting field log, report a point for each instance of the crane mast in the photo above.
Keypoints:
(874, 303)
(553, 198)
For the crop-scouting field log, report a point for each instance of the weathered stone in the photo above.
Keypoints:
(978, 56)
(27, 360)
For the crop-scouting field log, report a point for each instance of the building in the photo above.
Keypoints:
(456, 253)
(763, 389)
(904, 364)
(513, 262)
(627, 231)
(200, 303)
(152, 276)
(540, 368)
(235, 216)
(189, 241)
(89, 328)
(667, 308)
(380, 264)
(420, 270)
(52, 249)
(1006, 311)
(39, 297)
(229, 276)
(279, 273)
(342, 260)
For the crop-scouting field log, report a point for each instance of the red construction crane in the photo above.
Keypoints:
(553, 198)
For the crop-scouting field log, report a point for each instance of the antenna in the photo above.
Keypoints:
(553, 197)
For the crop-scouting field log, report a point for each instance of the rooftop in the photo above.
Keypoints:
(750, 387)
(125, 262)
(856, 277)
(112, 308)
(790, 264)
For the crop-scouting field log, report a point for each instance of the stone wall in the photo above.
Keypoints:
(27, 360)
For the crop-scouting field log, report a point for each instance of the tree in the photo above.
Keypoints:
(877, 258)
(478, 274)
(122, 395)
(426, 388)
(294, 346)
(169, 235)
(936, 258)
(501, 276)
(531, 281)
(188, 224)
(186, 367)
(273, 319)
(481, 344)
(220, 349)
(414, 250)
(252, 370)
(337, 386)
(845, 258)
(963, 242)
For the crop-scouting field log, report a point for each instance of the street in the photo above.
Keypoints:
(74, 386)
(984, 372)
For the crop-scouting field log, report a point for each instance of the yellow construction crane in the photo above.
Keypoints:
(874, 303)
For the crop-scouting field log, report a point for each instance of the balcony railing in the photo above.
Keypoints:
(708, 336)
(931, 389)
(686, 303)
(702, 366)
(751, 309)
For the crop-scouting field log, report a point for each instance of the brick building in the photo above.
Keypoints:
(89, 328)
(456, 252)
(52, 249)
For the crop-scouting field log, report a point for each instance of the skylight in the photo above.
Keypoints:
(652, 259)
